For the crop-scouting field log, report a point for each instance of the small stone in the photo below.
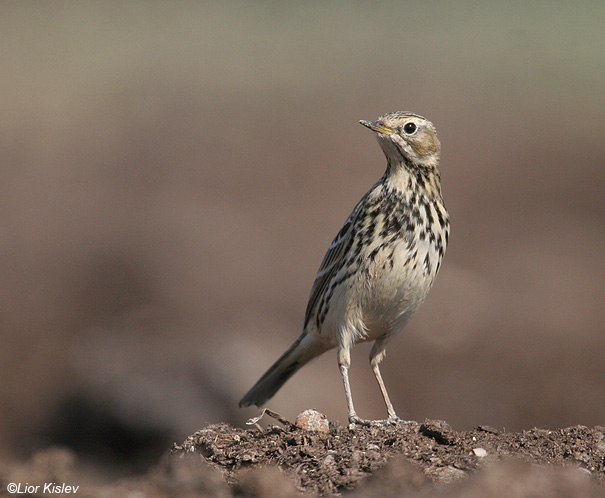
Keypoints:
(312, 420)
(329, 461)
(480, 452)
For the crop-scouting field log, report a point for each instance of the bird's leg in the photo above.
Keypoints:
(376, 355)
(390, 410)
(344, 362)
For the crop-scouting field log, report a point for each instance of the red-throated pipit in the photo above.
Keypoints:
(381, 264)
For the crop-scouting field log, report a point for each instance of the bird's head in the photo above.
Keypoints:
(407, 138)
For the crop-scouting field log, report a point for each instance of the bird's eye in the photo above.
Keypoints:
(409, 128)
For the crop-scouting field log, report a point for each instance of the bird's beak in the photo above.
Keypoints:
(377, 127)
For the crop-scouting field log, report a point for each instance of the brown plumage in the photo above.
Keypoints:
(381, 264)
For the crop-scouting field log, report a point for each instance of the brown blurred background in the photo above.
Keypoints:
(172, 174)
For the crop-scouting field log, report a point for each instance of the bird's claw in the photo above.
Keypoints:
(391, 421)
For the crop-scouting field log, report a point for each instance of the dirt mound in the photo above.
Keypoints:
(412, 459)
(418, 455)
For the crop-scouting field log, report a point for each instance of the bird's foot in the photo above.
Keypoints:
(354, 420)
(394, 420)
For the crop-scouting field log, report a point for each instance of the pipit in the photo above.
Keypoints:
(381, 264)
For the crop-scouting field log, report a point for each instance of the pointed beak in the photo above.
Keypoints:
(377, 127)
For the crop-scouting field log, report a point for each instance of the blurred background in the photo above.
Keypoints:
(173, 172)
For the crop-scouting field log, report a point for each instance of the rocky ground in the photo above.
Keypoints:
(412, 459)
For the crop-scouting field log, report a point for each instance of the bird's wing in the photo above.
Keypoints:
(331, 264)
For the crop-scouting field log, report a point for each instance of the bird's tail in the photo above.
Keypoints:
(304, 349)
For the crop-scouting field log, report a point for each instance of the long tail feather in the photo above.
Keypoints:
(304, 349)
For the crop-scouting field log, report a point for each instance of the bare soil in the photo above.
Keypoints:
(410, 459)
(411, 456)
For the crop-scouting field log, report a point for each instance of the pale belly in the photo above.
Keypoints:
(380, 300)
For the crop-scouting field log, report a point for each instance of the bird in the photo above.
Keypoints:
(380, 266)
